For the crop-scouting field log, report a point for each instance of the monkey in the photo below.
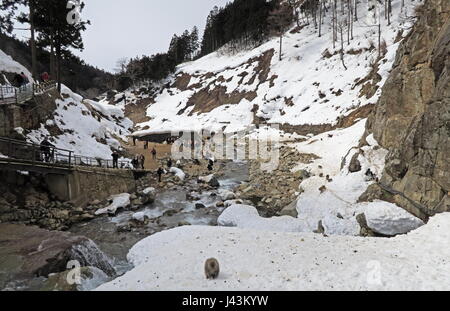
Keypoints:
(212, 268)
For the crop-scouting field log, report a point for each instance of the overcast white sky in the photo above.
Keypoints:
(128, 28)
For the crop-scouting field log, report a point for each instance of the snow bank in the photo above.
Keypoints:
(382, 217)
(174, 259)
(118, 201)
(245, 216)
(335, 202)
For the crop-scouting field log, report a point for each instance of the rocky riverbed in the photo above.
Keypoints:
(197, 200)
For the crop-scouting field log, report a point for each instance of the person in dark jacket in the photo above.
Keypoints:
(169, 163)
(25, 79)
(141, 161)
(115, 156)
(18, 79)
(154, 153)
(135, 162)
(47, 149)
(160, 172)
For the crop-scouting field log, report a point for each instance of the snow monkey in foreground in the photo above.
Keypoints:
(212, 268)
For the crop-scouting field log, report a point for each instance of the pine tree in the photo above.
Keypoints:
(7, 12)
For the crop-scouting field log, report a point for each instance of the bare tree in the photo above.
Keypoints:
(121, 65)
(341, 26)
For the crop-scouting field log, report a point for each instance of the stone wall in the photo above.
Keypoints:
(28, 116)
(412, 118)
(83, 186)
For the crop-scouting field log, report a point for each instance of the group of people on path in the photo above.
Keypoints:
(138, 161)
(21, 79)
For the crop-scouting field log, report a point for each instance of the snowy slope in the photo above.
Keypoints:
(174, 259)
(305, 87)
(88, 128)
(7, 64)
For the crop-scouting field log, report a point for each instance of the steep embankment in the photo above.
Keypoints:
(412, 118)
(306, 89)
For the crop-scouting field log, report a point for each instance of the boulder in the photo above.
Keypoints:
(29, 251)
(290, 210)
(355, 165)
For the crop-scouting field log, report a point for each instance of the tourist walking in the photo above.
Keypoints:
(135, 162)
(115, 157)
(142, 161)
(160, 172)
(154, 153)
(47, 149)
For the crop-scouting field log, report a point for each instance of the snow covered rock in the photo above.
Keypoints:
(139, 216)
(210, 180)
(388, 219)
(118, 201)
(226, 195)
(149, 191)
(177, 172)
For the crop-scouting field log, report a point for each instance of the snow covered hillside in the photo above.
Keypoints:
(174, 259)
(309, 85)
(87, 127)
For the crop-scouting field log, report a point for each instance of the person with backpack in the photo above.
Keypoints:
(154, 153)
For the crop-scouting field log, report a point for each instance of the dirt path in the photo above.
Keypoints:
(163, 151)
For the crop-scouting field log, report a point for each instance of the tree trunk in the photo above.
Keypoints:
(281, 45)
(52, 56)
(379, 39)
(342, 48)
(33, 42)
(356, 10)
(58, 63)
(320, 18)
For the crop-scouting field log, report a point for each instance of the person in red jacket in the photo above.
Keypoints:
(45, 77)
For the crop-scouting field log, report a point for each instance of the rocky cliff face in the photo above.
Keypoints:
(412, 118)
